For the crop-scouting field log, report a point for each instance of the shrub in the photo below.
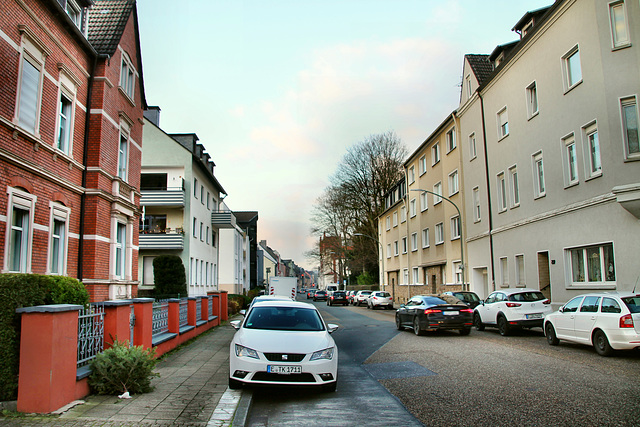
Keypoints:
(233, 306)
(121, 368)
(169, 276)
(27, 290)
(243, 301)
(365, 279)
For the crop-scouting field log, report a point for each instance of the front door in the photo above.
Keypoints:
(544, 278)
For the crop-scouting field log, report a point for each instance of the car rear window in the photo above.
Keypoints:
(527, 296)
(633, 303)
(466, 297)
(429, 301)
(383, 294)
(339, 294)
(284, 319)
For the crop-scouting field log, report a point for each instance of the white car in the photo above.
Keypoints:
(380, 299)
(508, 309)
(606, 320)
(361, 297)
(283, 343)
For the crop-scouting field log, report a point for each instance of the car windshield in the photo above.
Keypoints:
(633, 303)
(466, 297)
(527, 296)
(284, 319)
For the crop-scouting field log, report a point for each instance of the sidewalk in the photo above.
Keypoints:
(192, 390)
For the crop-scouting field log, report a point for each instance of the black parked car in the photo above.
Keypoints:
(469, 298)
(338, 297)
(432, 313)
(320, 296)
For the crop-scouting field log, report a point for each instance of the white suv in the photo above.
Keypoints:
(380, 299)
(507, 309)
(361, 297)
(606, 320)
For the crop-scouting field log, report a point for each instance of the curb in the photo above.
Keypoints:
(243, 408)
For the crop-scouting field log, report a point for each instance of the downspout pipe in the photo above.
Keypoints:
(486, 168)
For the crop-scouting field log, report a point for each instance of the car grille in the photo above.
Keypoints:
(277, 357)
(289, 378)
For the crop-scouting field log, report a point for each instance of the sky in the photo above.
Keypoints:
(277, 90)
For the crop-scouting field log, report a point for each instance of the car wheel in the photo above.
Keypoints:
(465, 331)
(601, 343)
(503, 326)
(416, 327)
(330, 388)
(399, 324)
(552, 339)
(234, 384)
(477, 322)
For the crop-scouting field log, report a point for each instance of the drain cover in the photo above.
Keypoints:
(386, 371)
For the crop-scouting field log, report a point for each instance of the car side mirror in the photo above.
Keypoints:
(235, 324)
(243, 312)
(332, 327)
(561, 309)
(402, 305)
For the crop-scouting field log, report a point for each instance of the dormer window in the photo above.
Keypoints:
(498, 60)
(527, 28)
(74, 12)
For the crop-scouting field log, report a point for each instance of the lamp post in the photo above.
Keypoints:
(381, 251)
(461, 233)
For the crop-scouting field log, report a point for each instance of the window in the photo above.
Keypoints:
(592, 264)
(538, 175)
(456, 267)
(520, 280)
(435, 154)
(195, 226)
(476, 204)
(619, 26)
(590, 304)
(423, 165)
(503, 123)
(592, 150)
(570, 161)
(416, 275)
(404, 245)
(213, 238)
(467, 83)
(389, 250)
(123, 155)
(473, 151)
(19, 231)
(455, 227)
(571, 68)
(201, 232)
(453, 182)
(425, 238)
(514, 188)
(64, 123)
(208, 200)
(388, 221)
(58, 239)
(414, 242)
(630, 127)
(532, 100)
(439, 233)
(207, 234)
(127, 76)
(412, 175)
(395, 219)
(437, 190)
(121, 246)
(405, 276)
(412, 208)
(504, 272)
(451, 140)
(74, 12)
(502, 193)
(403, 214)
(195, 187)
(395, 248)
(202, 194)
(30, 87)
(423, 202)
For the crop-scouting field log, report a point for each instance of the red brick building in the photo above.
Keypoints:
(71, 103)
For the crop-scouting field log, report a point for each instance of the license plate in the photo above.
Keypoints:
(284, 369)
(450, 313)
(534, 316)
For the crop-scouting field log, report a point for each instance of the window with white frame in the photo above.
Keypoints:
(412, 208)
(571, 68)
(504, 272)
(388, 222)
(30, 85)
(520, 277)
(451, 140)
(439, 233)
(58, 226)
(532, 100)
(127, 76)
(207, 234)
(425, 238)
(201, 232)
(195, 227)
(412, 175)
(423, 202)
(388, 250)
(473, 151)
(629, 108)
(592, 264)
(208, 200)
(502, 192)
(404, 245)
(435, 153)
(21, 207)
(467, 83)
(195, 188)
(570, 160)
(593, 164)
(123, 154)
(476, 204)
(503, 123)
(403, 214)
(202, 194)
(416, 275)
(455, 227)
(191, 272)
(65, 121)
(619, 25)
(395, 219)
(456, 271)
(514, 187)
(437, 190)
(538, 175)
(75, 12)
(120, 251)
(453, 183)
(414, 242)
(395, 248)
(405, 276)
(422, 165)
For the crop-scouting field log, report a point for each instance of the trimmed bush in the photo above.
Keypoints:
(169, 276)
(27, 290)
(121, 368)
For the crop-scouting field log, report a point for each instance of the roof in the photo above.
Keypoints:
(527, 17)
(107, 20)
(480, 65)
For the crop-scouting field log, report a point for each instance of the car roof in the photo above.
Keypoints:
(610, 294)
(510, 291)
(287, 303)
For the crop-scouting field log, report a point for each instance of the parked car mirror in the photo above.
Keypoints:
(331, 327)
(401, 305)
(235, 324)
(561, 309)
(243, 312)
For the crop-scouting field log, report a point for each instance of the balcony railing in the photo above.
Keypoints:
(168, 239)
(223, 219)
(171, 196)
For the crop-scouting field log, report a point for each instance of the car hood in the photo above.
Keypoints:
(266, 341)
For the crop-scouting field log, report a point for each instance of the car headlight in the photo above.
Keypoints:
(327, 353)
(242, 351)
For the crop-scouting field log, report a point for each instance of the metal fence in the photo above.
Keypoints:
(160, 318)
(198, 310)
(90, 333)
(184, 312)
(210, 305)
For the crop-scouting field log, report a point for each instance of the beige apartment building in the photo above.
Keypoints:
(551, 159)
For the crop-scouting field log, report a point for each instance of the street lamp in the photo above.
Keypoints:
(381, 252)
(461, 228)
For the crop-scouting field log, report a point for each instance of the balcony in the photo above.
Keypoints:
(167, 239)
(629, 197)
(171, 196)
(223, 219)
